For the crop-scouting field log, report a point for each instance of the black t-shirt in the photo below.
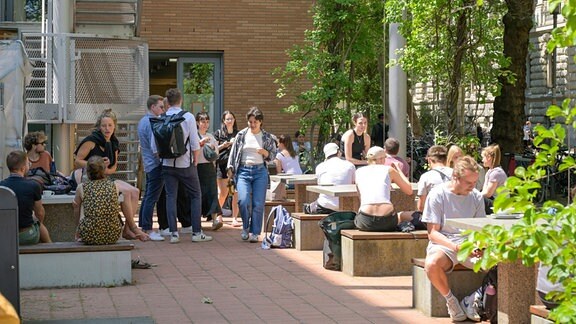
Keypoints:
(27, 192)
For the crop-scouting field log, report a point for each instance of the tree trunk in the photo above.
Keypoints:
(509, 105)
(456, 74)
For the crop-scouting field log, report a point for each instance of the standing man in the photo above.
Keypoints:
(182, 170)
(455, 199)
(29, 195)
(392, 146)
(152, 168)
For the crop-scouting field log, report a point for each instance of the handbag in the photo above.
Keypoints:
(209, 153)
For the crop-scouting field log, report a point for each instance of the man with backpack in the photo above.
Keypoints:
(175, 140)
(438, 173)
(454, 199)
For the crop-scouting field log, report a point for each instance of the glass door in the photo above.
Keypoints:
(200, 79)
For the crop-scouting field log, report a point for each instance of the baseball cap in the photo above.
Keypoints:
(330, 149)
(375, 152)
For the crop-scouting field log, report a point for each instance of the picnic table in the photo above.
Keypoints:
(300, 181)
(516, 283)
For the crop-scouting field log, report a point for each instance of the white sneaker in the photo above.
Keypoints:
(455, 311)
(470, 308)
(175, 238)
(201, 237)
(165, 232)
(186, 230)
(155, 236)
(253, 238)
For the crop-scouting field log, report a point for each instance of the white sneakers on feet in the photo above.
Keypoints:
(470, 307)
(253, 238)
(455, 311)
(201, 237)
(186, 230)
(174, 238)
(244, 235)
(165, 232)
(155, 236)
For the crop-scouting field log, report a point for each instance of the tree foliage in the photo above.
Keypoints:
(336, 71)
(546, 233)
(453, 44)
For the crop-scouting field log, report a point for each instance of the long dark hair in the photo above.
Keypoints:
(287, 141)
(223, 125)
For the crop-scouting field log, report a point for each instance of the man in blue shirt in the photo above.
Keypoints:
(152, 167)
(29, 195)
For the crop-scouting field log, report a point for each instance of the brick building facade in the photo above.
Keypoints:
(250, 36)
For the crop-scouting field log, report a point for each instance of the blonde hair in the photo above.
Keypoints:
(450, 160)
(494, 152)
(107, 113)
(465, 163)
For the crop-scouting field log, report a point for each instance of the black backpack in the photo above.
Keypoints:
(169, 135)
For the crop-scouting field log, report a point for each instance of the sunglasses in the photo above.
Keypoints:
(43, 143)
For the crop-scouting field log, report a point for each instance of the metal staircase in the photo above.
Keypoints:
(107, 17)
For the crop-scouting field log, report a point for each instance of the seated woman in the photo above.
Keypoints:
(495, 176)
(35, 145)
(376, 213)
(96, 206)
(286, 159)
(103, 142)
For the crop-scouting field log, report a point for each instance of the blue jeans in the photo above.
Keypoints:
(188, 178)
(154, 185)
(251, 184)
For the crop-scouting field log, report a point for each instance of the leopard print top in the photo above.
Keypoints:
(101, 223)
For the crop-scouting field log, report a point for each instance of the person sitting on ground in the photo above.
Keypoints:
(35, 145)
(29, 195)
(103, 142)
(392, 146)
(376, 211)
(495, 176)
(333, 170)
(454, 199)
(96, 206)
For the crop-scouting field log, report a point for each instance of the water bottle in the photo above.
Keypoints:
(490, 307)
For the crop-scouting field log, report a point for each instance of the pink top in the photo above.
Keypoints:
(403, 163)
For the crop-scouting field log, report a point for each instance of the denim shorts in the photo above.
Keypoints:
(31, 235)
(371, 223)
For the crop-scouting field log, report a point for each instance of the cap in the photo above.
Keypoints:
(375, 152)
(330, 149)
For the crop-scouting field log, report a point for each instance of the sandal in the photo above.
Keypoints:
(139, 264)
(235, 223)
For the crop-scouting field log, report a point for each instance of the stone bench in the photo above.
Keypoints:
(307, 234)
(374, 254)
(73, 264)
(539, 315)
(428, 300)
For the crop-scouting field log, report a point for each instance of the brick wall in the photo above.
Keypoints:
(253, 36)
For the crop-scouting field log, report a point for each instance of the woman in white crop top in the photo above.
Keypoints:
(374, 181)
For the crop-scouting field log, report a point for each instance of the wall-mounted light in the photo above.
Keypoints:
(173, 60)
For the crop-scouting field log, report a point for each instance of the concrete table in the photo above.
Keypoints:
(300, 181)
(59, 217)
(516, 283)
(349, 198)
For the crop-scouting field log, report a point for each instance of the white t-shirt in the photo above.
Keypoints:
(252, 143)
(373, 182)
(290, 165)
(432, 178)
(334, 171)
(442, 204)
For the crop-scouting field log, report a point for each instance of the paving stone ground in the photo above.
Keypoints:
(244, 283)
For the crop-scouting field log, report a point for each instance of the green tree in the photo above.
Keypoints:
(455, 45)
(546, 233)
(335, 71)
(509, 105)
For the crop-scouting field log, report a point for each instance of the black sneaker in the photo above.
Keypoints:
(406, 227)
